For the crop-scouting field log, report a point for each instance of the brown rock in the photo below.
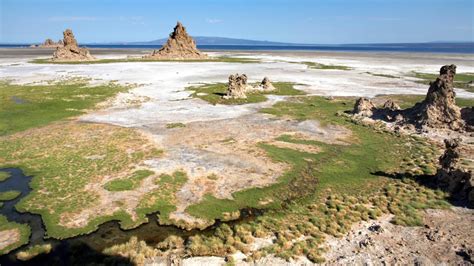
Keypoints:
(48, 43)
(364, 107)
(70, 51)
(451, 176)
(237, 87)
(439, 109)
(391, 105)
(179, 46)
(266, 85)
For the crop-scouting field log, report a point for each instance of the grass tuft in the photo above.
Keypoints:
(4, 176)
(9, 195)
(130, 183)
(212, 93)
(315, 65)
(27, 106)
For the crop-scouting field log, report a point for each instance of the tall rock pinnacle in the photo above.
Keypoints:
(179, 46)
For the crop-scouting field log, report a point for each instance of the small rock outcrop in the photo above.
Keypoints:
(451, 176)
(439, 109)
(179, 46)
(364, 107)
(51, 44)
(266, 85)
(237, 87)
(70, 51)
(391, 106)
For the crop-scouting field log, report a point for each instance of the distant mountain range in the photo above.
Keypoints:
(201, 40)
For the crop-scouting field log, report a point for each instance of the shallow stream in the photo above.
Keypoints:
(86, 249)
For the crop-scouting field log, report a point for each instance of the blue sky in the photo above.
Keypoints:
(299, 21)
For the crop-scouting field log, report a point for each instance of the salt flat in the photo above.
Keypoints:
(164, 84)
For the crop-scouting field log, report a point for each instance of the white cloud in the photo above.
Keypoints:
(213, 20)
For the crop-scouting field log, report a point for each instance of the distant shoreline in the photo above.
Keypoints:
(456, 48)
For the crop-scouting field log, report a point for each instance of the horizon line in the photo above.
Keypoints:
(275, 42)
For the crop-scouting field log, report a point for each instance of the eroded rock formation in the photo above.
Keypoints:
(364, 107)
(179, 46)
(48, 43)
(391, 106)
(237, 87)
(451, 176)
(439, 109)
(266, 85)
(70, 51)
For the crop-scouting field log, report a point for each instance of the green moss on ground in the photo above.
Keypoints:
(27, 106)
(175, 125)
(315, 65)
(4, 176)
(129, 183)
(461, 80)
(382, 75)
(63, 158)
(220, 59)
(9, 195)
(23, 230)
(164, 197)
(324, 193)
(213, 93)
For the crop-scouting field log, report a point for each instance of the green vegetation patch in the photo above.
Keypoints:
(175, 125)
(325, 193)
(23, 230)
(382, 75)
(315, 65)
(66, 156)
(129, 183)
(27, 106)
(220, 59)
(4, 176)
(164, 197)
(213, 93)
(33, 251)
(9, 195)
(461, 80)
